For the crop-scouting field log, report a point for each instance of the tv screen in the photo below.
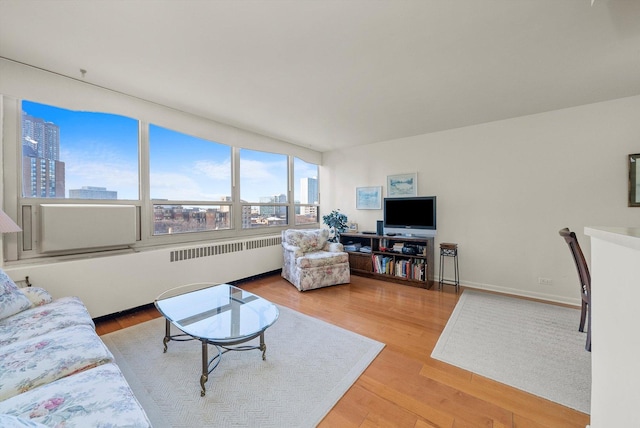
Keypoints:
(402, 215)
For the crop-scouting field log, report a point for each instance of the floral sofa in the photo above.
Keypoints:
(311, 261)
(54, 369)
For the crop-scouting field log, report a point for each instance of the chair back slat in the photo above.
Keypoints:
(585, 281)
(578, 257)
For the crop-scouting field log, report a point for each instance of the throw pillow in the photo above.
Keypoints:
(12, 300)
(37, 296)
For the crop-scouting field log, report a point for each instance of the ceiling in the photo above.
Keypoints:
(330, 74)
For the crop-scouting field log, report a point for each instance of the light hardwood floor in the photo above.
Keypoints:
(403, 386)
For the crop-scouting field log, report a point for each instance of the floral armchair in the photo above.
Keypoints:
(311, 261)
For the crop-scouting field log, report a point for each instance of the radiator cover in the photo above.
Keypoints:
(65, 227)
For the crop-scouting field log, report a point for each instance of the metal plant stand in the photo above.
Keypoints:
(449, 250)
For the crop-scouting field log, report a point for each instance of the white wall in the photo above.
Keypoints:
(615, 377)
(115, 283)
(505, 189)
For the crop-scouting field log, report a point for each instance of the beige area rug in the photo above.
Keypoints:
(310, 364)
(532, 346)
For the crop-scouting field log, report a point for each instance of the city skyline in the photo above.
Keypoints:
(101, 150)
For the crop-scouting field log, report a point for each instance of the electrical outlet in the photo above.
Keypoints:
(545, 281)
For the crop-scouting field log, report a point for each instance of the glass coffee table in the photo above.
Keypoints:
(216, 314)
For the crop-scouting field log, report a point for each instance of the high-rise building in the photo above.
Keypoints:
(309, 190)
(309, 195)
(42, 172)
(273, 210)
(90, 192)
(42, 178)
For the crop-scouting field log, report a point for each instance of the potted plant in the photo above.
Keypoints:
(337, 223)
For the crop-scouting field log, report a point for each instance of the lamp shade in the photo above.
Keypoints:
(7, 225)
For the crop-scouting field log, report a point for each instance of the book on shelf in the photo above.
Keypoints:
(382, 264)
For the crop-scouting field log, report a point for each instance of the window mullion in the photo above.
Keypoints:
(146, 214)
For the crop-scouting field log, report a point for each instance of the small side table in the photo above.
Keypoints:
(449, 250)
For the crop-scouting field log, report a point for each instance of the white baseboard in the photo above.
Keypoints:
(523, 293)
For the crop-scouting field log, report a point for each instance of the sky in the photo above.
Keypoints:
(101, 150)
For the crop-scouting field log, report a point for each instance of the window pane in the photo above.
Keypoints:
(306, 214)
(169, 219)
(78, 154)
(263, 176)
(264, 216)
(305, 179)
(186, 168)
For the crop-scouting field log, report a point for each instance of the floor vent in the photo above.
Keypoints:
(214, 250)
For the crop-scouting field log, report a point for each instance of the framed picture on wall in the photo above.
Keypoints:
(634, 180)
(369, 198)
(402, 185)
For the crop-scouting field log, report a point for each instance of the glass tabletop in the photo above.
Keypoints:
(216, 312)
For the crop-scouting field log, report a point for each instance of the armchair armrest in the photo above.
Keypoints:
(296, 251)
(37, 296)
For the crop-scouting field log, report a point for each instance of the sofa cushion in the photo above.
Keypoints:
(60, 313)
(30, 363)
(98, 397)
(8, 421)
(12, 300)
(321, 258)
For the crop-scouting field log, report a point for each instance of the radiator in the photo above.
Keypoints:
(130, 279)
(65, 227)
(222, 248)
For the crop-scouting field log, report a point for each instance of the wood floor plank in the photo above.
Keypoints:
(404, 386)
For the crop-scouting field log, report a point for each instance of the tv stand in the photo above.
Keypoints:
(387, 261)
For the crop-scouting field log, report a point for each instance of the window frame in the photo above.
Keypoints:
(154, 202)
(250, 204)
(50, 164)
(14, 202)
(299, 205)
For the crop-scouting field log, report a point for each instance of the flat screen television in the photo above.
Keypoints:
(415, 216)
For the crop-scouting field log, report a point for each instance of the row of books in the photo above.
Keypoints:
(404, 268)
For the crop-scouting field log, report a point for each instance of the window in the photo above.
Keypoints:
(78, 155)
(263, 189)
(185, 168)
(170, 219)
(184, 188)
(306, 195)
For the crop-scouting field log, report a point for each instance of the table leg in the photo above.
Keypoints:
(167, 334)
(205, 368)
(263, 347)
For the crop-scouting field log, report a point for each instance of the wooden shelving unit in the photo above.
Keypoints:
(385, 263)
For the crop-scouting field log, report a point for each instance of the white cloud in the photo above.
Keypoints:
(214, 170)
(174, 186)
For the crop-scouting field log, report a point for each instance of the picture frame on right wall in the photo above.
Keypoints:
(634, 180)
(369, 198)
(402, 185)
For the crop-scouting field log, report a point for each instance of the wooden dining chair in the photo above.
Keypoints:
(585, 281)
